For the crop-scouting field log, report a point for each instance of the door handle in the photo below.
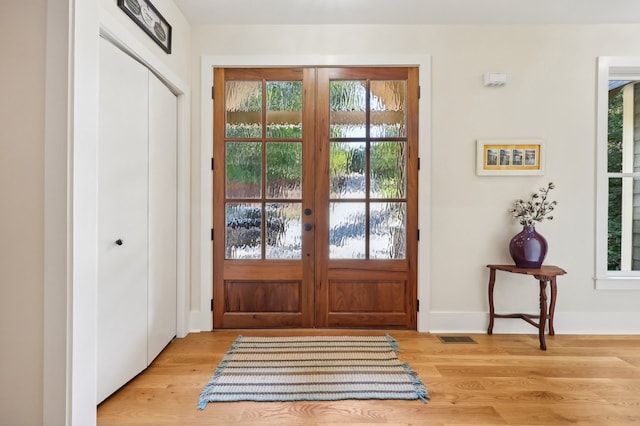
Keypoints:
(307, 212)
(119, 242)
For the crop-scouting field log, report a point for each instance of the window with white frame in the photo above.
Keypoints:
(618, 174)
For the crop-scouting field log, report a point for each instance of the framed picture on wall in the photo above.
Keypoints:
(506, 157)
(143, 13)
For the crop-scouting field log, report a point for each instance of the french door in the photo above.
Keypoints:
(315, 197)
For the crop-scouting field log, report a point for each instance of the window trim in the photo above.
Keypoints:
(609, 68)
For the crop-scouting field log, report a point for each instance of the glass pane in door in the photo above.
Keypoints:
(243, 235)
(388, 164)
(347, 230)
(284, 170)
(284, 109)
(388, 108)
(243, 100)
(243, 170)
(347, 170)
(284, 231)
(388, 230)
(348, 109)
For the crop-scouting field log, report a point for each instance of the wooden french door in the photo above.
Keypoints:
(315, 197)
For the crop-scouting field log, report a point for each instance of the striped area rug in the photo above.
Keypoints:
(312, 368)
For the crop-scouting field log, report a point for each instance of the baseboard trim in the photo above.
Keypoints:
(477, 322)
(564, 323)
(198, 321)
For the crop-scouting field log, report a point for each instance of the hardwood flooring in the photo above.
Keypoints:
(499, 380)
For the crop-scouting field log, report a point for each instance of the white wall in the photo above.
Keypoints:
(21, 211)
(550, 94)
(56, 225)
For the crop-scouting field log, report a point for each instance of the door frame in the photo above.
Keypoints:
(201, 319)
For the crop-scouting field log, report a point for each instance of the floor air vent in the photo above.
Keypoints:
(456, 339)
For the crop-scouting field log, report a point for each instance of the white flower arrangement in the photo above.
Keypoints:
(535, 209)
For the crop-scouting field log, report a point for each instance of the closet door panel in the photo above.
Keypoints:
(122, 220)
(162, 216)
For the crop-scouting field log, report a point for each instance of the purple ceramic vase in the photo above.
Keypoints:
(528, 248)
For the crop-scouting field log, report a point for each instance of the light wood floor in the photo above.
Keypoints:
(500, 380)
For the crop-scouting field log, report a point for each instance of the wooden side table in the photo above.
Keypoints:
(545, 274)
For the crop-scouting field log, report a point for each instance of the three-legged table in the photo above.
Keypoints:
(545, 274)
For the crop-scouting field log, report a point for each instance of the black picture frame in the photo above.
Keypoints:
(143, 13)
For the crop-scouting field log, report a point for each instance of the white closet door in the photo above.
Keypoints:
(162, 216)
(122, 219)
